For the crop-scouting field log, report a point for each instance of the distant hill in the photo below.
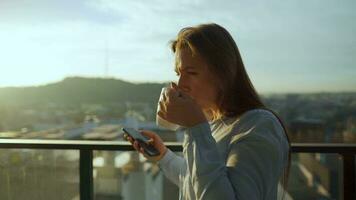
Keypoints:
(77, 90)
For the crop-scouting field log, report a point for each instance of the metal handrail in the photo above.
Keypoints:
(346, 151)
(340, 148)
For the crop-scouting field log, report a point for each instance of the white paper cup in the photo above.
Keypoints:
(159, 120)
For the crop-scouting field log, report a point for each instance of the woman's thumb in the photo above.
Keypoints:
(174, 85)
(181, 93)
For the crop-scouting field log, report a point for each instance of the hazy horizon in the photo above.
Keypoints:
(143, 82)
(287, 46)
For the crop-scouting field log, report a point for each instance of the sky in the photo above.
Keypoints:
(286, 45)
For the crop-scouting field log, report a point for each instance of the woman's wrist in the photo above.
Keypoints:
(166, 157)
(164, 152)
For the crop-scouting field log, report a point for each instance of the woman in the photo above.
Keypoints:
(234, 147)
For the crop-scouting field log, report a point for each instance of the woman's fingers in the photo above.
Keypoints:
(162, 114)
(136, 146)
(162, 106)
(174, 85)
(172, 93)
(154, 140)
(164, 97)
(125, 136)
(128, 138)
(143, 152)
(134, 143)
(150, 135)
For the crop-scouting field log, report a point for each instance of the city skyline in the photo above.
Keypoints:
(294, 46)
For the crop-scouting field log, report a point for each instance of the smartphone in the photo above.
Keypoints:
(142, 140)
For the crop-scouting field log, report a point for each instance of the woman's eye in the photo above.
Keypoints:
(193, 73)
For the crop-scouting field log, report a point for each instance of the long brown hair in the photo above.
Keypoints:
(236, 91)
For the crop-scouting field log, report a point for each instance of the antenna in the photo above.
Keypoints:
(106, 67)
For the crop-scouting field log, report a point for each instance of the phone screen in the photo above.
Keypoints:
(135, 134)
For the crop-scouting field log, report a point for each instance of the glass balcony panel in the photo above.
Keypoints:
(128, 175)
(316, 176)
(39, 174)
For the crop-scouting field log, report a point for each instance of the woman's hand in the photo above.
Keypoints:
(155, 140)
(179, 108)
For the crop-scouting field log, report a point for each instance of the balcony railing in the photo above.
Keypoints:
(86, 148)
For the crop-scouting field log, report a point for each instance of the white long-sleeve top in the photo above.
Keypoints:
(232, 158)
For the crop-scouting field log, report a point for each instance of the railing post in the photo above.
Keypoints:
(349, 175)
(86, 174)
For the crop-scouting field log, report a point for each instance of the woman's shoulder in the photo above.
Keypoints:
(259, 123)
(258, 113)
(254, 117)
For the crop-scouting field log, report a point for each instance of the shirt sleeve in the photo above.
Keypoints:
(250, 169)
(173, 166)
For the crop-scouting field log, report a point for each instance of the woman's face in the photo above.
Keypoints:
(195, 79)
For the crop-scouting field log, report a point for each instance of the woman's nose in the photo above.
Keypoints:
(180, 82)
(183, 84)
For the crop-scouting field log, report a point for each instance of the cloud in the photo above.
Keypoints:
(284, 36)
